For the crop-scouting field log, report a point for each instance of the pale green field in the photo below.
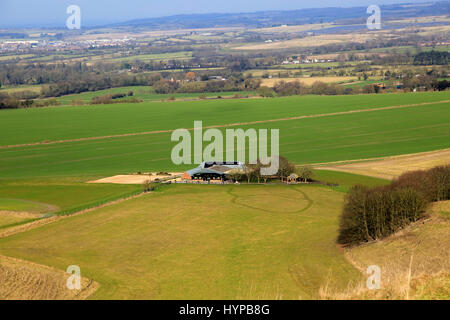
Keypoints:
(12, 89)
(11, 220)
(201, 242)
(58, 196)
(23, 205)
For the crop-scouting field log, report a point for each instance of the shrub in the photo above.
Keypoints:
(77, 102)
(266, 92)
(110, 99)
(283, 88)
(118, 96)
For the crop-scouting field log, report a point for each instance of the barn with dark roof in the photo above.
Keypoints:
(212, 171)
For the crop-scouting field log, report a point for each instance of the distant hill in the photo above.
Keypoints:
(292, 17)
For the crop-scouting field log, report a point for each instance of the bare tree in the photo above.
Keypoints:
(305, 173)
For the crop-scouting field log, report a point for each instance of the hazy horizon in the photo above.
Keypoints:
(52, 13)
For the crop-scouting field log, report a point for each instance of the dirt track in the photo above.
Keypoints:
(135, 178)
(224, 125)
(392, 167)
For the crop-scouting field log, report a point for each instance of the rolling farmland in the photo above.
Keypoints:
(96, 140)
(261, 242)
(116, 137)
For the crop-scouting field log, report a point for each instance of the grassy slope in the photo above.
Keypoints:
(21, 205)
(313, 140)
(7, 221)
(428, 244)
(201, 242)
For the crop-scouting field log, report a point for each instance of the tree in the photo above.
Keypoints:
(285, 168)
(147, 186)
(305, 173)
(190, 76)
(249, 170)
(266, 92)
(319, 88)
(252, 84)
(236, 175)
(284, 88)
(257, 171)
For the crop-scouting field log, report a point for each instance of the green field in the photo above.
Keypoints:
(19, 205)
(320, 139)
(57, 195)
(55, 123)
(143, 93)
(7, 221)
(201, 242)
(345, 181)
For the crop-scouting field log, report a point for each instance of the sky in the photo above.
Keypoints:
(52, 13)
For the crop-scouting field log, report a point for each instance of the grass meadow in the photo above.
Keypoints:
(24, 200)
(200, 242)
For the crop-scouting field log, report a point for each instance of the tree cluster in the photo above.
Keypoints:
(373, 213)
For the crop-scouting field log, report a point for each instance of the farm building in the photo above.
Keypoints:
(212, 171)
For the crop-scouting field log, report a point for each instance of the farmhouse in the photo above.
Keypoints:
(216, 170)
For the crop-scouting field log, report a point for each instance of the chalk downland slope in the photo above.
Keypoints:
(23, 280)
(415, 262)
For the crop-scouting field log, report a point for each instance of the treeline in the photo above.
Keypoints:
(95, 83)
(374, 213)
(165, 86)
(113, 98)
(252, 172)
(284, 88)
(16, 101)
(432, 58)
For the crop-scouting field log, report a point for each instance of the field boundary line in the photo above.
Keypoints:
(224, 125)
(44, 221)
